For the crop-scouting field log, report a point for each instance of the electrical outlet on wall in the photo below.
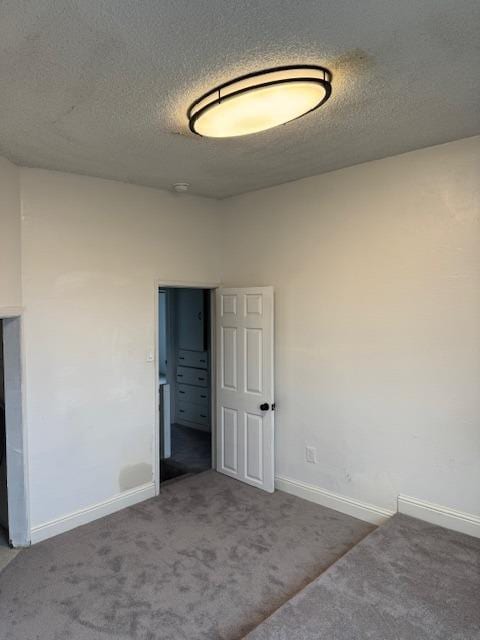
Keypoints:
(311, 455)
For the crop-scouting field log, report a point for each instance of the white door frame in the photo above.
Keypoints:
(15, 426)
(180, 284)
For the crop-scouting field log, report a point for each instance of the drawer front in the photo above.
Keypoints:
(192, 376)
(196, 395)
(197, 359)
(193, 413)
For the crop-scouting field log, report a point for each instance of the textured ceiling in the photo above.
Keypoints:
(101, 87)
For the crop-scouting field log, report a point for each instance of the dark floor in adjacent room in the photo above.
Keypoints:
(208, 559)
(191, 453)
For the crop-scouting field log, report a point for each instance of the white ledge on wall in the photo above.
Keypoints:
(350, 506)
(83, 516)
(442, 516)
(10, 312)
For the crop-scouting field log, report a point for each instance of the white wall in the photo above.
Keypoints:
(92, 250)
(377, 276)
(377, 273)
(10, 276)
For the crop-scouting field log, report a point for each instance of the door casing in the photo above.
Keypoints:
(16, 432)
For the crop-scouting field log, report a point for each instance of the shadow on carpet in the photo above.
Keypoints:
(209, 559)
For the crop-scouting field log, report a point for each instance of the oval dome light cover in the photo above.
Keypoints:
(260, 101)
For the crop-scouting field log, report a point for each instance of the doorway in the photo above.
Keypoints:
(185, 381)
(3, 452)
(14, 514)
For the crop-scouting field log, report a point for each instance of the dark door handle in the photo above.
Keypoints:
(265, 406)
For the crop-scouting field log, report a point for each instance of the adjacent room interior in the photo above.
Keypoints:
(239, 320)
(185, 389)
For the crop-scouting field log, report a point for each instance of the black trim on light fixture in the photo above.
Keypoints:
(217, 98)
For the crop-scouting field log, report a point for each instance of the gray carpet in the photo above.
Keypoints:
(209, 560)
(6, 553)
(406, 581)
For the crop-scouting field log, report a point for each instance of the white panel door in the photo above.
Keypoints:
(245, 400)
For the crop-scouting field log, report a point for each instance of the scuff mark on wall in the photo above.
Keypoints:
(134, 476)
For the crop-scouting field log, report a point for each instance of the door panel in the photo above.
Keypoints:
(229, 358)
(228, 305)
(253, 360)
(254, 447)
(229, 454)
(245, 381)
(253, 304)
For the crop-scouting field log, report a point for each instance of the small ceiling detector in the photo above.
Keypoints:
(181, 187)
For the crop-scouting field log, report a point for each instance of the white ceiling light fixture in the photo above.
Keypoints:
(260, 101)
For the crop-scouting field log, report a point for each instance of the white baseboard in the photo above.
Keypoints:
(441, 516)
(350, 506)
(83, 516)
